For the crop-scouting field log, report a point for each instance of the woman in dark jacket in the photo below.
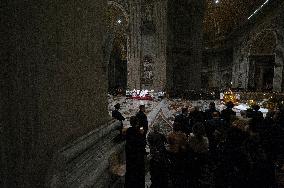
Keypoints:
(135, 151)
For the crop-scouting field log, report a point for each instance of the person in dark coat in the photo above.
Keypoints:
(177, 153)
(256, 114)
(210, 111)
(196, 116)
(159, 160)
(117, 115)
(233, 170)
(135, 152)
(262, 169)
(214, 128)
(198, 157)
(142, 119)
(183, 121)
(228, 114)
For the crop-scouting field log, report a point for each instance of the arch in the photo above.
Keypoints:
(260, 51)
(122, 8)
(118, 47)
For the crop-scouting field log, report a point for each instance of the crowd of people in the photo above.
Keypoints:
(208, 149)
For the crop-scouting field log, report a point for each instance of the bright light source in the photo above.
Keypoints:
(217, 1)
(119, 21)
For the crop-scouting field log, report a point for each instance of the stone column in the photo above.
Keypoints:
(278, 72)
(278, 83)
(241, 68)
(160, 14)
(260, 81)
(53, 82)
(185, 43)
(134, 51)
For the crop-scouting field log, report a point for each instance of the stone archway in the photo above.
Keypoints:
(261, 59)
(246, 46)
(116, 46)
(122, 7)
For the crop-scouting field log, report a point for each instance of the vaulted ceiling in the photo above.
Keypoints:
(223, 16)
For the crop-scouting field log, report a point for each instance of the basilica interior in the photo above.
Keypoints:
(66, 64)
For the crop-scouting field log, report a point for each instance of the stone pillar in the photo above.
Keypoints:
(216, 82)
(278, 82)
(259, 83)
(148, 45)
(160, 14)
(241, 68)
(185, 44)
(53, 82)
(278, 72)
(134, 51)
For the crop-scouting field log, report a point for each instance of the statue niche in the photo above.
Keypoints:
(147, 67)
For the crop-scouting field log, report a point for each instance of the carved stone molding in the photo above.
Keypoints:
(83, 162)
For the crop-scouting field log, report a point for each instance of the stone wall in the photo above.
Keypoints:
(217, 68)
(54, 83)
(271, 20)
(147, 41)
(160, 15)
(184, 44)
(134, 50)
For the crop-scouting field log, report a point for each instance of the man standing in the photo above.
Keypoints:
(183, 120)
(142, 119)
(117, 115)
(135, 152)
(158, 161)
(210, 111)
(228, 114)
(214, 128)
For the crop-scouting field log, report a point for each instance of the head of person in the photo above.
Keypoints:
(117, 106)
(184, 110)
(176, 127)
(230, 105)
(256, 107)
(198, 129)
(243, 113)
(270, 114)
(215, 115)
(142, 108)
(212, 105)
(156, 128)
(240, 124)
(252, 125)
(236, 136)
(196, 108)
(276, 115)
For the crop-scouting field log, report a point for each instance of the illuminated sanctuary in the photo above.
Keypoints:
(87, 85)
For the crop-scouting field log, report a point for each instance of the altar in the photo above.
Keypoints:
(140, 94)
